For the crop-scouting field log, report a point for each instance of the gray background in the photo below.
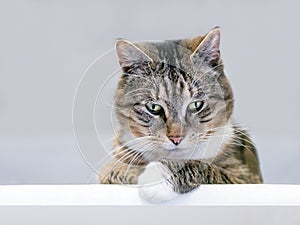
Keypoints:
(45, 46)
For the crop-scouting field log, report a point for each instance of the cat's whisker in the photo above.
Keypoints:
(134, 140)
(139, 76)
(198, 78)
(150, 153)
(138, 144)
(237, 143)
(203, 87)
(142, 156)
(110, 154)
(115, 152)
(196, 68)
(204, 132)
(206, 72)
(138, 94)
(153, 78)
(129, 165)
(233, 137)
(245, 148)
(122, 159)
(112, 167)
(138, 90)
(243, 133)
(113, 106)
(139, 157)
(138, 147)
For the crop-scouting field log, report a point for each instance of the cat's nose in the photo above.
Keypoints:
(176, 139)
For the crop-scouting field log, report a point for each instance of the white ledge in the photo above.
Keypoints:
(117, 195)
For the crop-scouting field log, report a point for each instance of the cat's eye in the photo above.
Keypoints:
(154, 108)
(195, 106)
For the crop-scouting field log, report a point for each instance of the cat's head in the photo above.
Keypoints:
(173, 99)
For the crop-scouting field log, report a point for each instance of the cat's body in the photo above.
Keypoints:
(174, 107)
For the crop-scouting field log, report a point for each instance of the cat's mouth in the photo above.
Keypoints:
(176, 149)
(173, 147)
(185, 151)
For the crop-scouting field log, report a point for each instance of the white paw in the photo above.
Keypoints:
(154, 185)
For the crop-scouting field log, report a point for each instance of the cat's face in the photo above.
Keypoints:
(173, 100)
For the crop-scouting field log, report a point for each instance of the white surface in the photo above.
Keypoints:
(121, 205)
(123, 215)
(116, 195)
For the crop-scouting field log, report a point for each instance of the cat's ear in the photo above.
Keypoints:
(209, 49)
(129, 54)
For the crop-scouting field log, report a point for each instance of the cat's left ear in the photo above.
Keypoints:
(209, 49)
(129, 54)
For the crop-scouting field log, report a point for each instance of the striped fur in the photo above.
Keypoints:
(173, 75)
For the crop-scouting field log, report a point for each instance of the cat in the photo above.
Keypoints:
(174, 105)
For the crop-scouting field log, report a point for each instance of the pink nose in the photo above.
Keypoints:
(176, 139)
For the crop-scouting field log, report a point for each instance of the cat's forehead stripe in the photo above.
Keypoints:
(171, 53)
(174, 94)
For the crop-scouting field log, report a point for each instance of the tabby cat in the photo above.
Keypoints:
(174, 105)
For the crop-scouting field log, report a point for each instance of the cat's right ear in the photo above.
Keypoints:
(208, 49)
(130, 55)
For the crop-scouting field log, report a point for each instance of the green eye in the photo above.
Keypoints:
(153, 108)
(195, 106)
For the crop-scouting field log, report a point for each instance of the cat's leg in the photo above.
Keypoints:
(165, 180)
(155, 184)
(117, 172)
(186, 176)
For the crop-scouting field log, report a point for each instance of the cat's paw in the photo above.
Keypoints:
(155, 185)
